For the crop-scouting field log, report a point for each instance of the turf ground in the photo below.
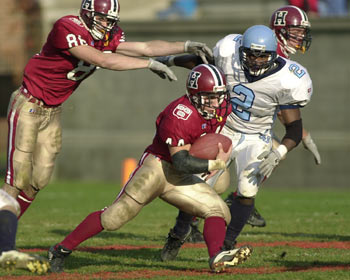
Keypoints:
(307, 237)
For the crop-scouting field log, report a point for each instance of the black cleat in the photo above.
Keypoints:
(173, 245)
(255, 219)
(230, 258)
(196, 236)
(228, 245)
(56, 256)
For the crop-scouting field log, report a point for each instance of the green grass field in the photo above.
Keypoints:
(307, 237)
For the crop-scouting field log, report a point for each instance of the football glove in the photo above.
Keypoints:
(161, 70)
(270, 159)
(199, 49)
(310, 145)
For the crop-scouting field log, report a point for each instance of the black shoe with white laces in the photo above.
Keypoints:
(255, 219)
(56, 256)
(173, 245)
(196, 236)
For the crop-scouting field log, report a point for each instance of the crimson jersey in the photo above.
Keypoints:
(54, 73)
(180, 124)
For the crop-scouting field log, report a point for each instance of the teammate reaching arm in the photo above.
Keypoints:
(75, 48)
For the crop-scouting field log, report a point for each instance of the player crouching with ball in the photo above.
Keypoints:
(166, 170)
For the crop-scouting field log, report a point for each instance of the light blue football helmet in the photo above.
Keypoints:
(259, 50)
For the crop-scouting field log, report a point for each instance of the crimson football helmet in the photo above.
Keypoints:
(286, 22)
(99, 16)
(206, 88)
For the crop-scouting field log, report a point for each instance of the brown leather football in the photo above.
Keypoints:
(206, 147)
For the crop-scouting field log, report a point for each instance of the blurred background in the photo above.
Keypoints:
(111, 115)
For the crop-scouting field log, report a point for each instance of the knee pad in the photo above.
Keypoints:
(8, 202)
(120, 212)
(248, 185)
(220, 209)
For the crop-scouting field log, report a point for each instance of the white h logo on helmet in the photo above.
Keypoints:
(280, 18)
(193, 79)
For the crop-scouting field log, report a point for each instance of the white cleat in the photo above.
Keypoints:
(230, 258)
(10, 260)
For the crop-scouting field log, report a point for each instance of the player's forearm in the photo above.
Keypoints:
(112, 61)
(294, 132)
(161, 48)
(151, 48)
(121, 62)
(187, 61)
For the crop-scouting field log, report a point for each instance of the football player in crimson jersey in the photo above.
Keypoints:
(293, 33)
(166, 170)
(260, 84)
(75, 48)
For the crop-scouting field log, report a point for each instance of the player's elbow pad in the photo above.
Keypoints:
(184, 162)
(294, 131)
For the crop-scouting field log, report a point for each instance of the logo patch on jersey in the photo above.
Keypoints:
(204, 126)
(182, 112)
(193, 79)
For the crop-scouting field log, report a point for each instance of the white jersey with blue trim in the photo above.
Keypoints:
(255, 103)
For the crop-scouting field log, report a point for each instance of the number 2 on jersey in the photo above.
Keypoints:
(241, 104)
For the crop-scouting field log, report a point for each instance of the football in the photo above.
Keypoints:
(206, 147)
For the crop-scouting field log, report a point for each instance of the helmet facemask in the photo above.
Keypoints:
(211, 104)
(256, 61)
(300, 35)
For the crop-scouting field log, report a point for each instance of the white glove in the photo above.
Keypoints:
(199, 49)
(270, 159)
(310, 145)
(161, 70)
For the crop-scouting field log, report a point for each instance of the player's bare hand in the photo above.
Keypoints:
(225, 156)
(161, 70)
(199, 49)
